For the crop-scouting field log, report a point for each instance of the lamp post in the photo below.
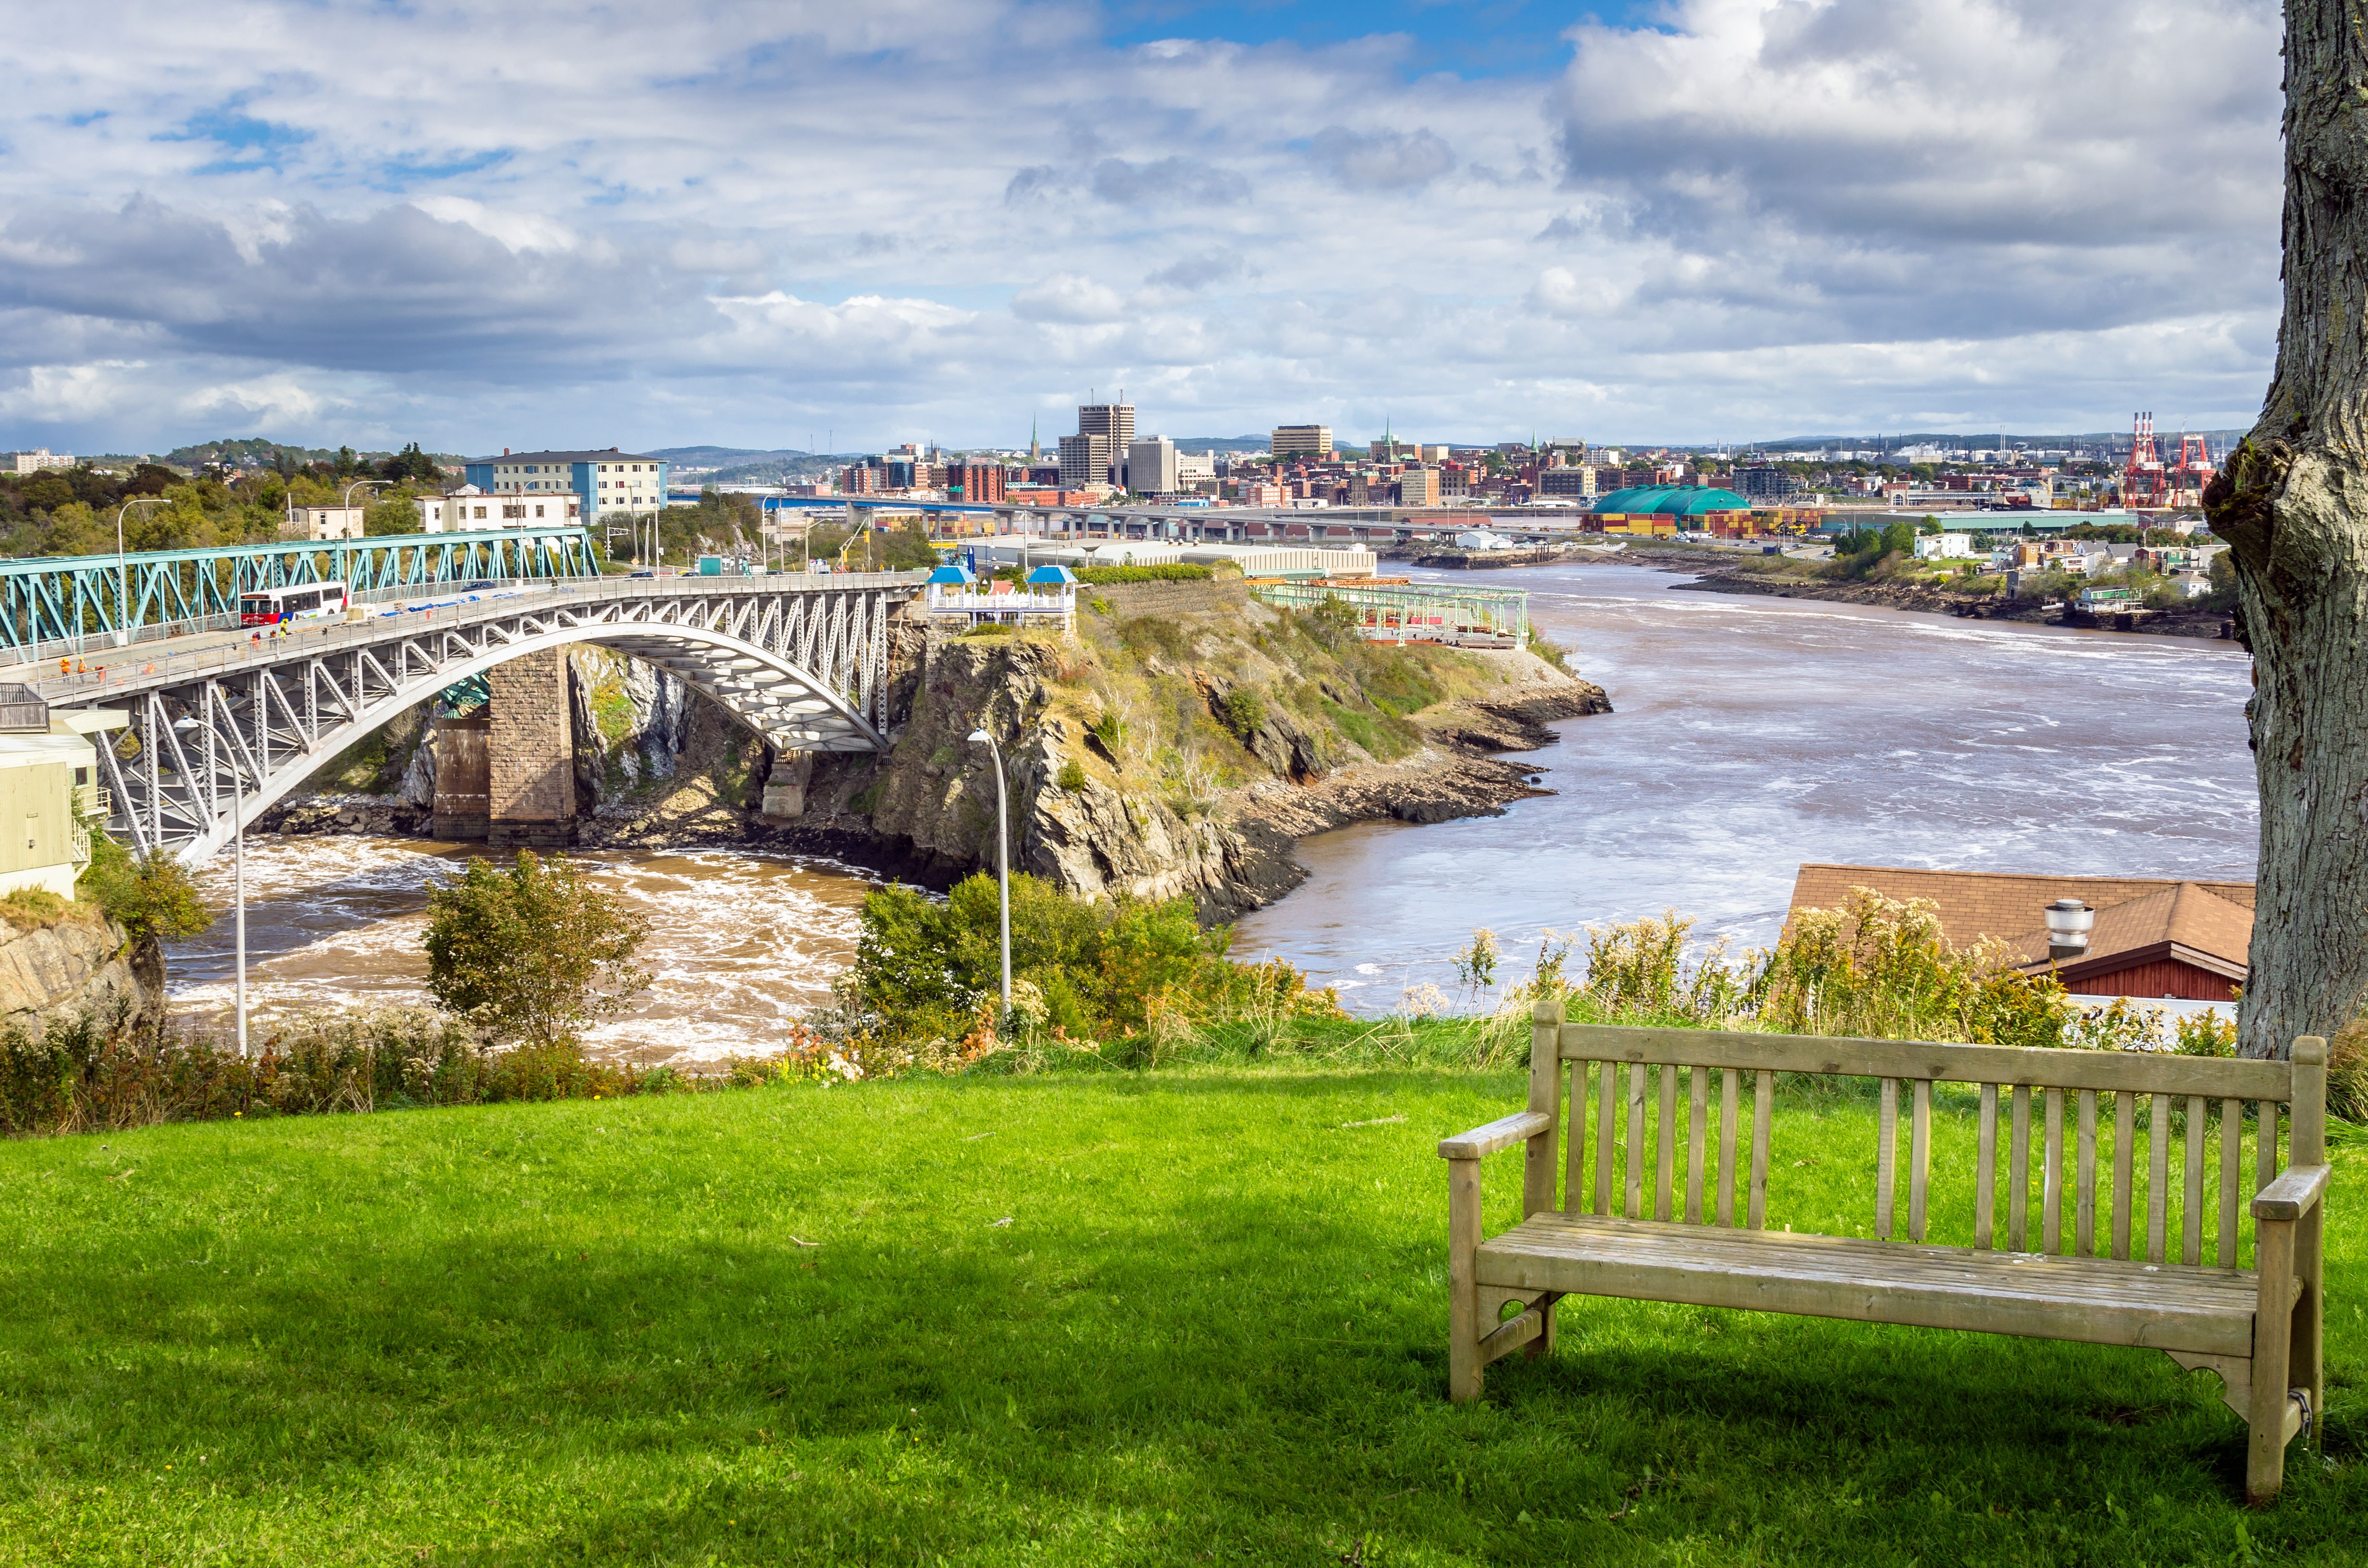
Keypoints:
(238, 876)
(123, 569)
(1002, 859)
(358, 483)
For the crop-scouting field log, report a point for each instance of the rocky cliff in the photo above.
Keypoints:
(79, 962)
(1178, 745)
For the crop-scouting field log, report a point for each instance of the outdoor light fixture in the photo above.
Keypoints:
(2069, 922)
(187, 726)
(1002, 859)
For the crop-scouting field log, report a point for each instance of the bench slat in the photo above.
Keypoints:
(2125, 1164)
(2232, 1175)
(1635, 1150)
(1664, 1143)
(2190, 1213)
(1985, 1170)
(2265, 1149)
(2140, 1071)
(1574, 1154)
(1763, 1112)
(1607, 1128)
(2018, 1173)
(2205, 1310)
(2051, 1184)
(1726, 1146)
(1887, 1151)
(2084, 1179)
(1920, 1158)
(2158, 1176)
(1697, 1135)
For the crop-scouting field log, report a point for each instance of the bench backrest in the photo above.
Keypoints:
(1635, 1075)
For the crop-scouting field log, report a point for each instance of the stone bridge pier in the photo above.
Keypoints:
(530, 754)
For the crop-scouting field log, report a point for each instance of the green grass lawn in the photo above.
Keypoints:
(1179, 1317)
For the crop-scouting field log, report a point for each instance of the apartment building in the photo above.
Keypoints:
(606, 483)
(1301, 440)
(40, 458)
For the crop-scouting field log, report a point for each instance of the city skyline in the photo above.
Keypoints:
(737, 225)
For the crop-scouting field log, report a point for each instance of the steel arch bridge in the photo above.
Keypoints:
(91, 601)
(236, 726)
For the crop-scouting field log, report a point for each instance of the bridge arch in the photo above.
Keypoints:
(807, 676)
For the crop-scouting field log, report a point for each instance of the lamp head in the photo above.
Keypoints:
(981, 735)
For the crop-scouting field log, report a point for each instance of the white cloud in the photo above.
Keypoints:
(1068, 298)
(708, 222)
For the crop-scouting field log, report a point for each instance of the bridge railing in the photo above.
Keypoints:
(85, 676)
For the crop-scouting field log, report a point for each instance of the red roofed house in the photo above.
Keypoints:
(2153, 938)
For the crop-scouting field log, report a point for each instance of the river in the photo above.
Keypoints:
(1748, 735)
(1751, 735)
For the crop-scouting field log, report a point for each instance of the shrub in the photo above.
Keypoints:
(1073, 776)
(152, 895)
(533, 953)
(94, 1071)
(1173, 573)
(928, 971)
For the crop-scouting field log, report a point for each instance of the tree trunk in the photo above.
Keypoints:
(2291, 501)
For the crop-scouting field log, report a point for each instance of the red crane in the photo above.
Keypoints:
(2143, 482)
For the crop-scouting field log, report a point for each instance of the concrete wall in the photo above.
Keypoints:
(531, 784)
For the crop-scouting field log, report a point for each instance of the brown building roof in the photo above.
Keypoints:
(2139, 919)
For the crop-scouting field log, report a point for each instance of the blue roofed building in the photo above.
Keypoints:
(607, 485)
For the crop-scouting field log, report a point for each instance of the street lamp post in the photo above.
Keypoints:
(238, 877)
(356, 485)
(123, 570)
(1002, 859)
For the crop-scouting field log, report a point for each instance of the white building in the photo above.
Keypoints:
(40, 458)
(471, 510)
(49, 781)
(1944, 547)
(323, 522)
(1151, 467)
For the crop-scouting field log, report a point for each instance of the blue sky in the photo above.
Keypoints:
(526, 225)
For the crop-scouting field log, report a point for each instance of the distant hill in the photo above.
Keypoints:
(2115, 441)
(259, 452)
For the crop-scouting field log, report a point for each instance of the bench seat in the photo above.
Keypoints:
(2174, 1307)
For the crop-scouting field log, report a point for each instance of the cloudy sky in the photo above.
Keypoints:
(479, 224)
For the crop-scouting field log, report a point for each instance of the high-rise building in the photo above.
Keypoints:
(1114, 421)
(1151, 467)
(1085, 459)
(1301, 440)
(1419, 487)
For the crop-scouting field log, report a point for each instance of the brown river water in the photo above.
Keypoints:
(1748, 736)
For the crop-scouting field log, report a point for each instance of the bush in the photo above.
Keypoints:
(152, 895)
(533, 953)
(929, 972)
(1073, 776)
(1175, 573)
(96, 1072)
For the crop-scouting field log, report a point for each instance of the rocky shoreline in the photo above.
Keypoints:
(922, 813)
(1727, 576)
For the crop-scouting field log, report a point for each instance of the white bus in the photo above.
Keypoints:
(302, 601)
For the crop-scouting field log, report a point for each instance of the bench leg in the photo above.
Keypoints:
(2306, 1357)
(2265, 1458)
(1543, 1345)
(1463, 1364)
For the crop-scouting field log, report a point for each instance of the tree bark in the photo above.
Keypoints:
(2291, 501)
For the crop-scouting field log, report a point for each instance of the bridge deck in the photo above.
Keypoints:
(103, 672)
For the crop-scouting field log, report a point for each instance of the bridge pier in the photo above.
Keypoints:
(530, 783)
(463, 778)
(785, 786)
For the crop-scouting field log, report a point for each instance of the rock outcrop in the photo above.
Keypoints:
(81, 963)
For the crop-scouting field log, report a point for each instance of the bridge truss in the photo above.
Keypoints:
(231, 729)
(49, 600)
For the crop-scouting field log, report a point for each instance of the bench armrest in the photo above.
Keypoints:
(2297, 1189)
(1501, 1133)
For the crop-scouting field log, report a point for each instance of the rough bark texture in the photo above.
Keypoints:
(2292, 504)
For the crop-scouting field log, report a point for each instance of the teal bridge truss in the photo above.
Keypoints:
(48, 600)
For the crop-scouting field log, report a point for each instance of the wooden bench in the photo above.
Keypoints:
(2108, 1277)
